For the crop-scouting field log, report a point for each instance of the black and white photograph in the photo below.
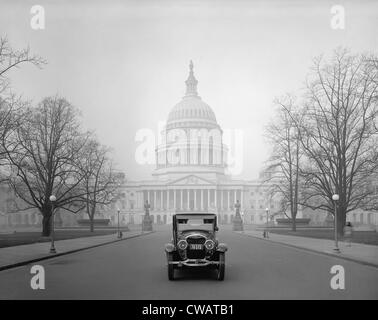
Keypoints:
(187, 154)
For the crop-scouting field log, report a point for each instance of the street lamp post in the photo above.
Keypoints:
(52, 200)
(267, 222)
(118, 232)
(336, 198)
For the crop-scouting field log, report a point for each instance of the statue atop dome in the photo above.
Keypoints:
(191, 82)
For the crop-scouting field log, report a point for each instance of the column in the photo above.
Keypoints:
(202, 199)
(155, 202)
(174, 199)
(208, 199)
(241, 198)
(148, 196)
(221, 204)
(228, 200)
(168, 199)
(215, 200)
(181, 200)
(137, 199)
(161, 199)
(235, 196)
(188, 205)
(195, 199)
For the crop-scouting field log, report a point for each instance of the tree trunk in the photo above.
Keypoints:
(46, 225)
(91, 219)
(341, 219)
(46, 220)
(293, 224)
(91, 214)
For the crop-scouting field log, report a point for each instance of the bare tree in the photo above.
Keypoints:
(11, 106)
(339, 134)
(284, 162)
(100, 182)
(11, 59)
(44, 159)
(11, 112)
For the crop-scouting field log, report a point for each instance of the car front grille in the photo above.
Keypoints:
(196, 254)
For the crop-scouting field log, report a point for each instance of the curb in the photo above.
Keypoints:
(367, 263)
(22, 263)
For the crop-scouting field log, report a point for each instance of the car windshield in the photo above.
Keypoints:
(195, 223)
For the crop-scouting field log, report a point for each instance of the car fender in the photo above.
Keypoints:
(169, 247)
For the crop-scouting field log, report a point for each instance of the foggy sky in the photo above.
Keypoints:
(124, 63)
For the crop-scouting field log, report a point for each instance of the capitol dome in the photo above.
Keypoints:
(192, 139)
(191, 111)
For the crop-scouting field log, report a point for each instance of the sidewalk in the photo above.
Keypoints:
(362, 253)
(11, 257)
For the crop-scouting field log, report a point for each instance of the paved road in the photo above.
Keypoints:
(136, 269)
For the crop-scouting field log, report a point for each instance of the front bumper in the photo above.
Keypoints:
(194, 263)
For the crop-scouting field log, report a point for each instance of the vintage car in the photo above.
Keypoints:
(194, 244)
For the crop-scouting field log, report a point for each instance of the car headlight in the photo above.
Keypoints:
(209, 244)
(182, 244)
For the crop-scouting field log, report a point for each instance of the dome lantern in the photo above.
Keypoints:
(191, 82)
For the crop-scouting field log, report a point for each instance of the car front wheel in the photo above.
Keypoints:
(171, 269)
(221, 266)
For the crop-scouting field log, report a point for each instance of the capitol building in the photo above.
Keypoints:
(191, 171)
(190, 175)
